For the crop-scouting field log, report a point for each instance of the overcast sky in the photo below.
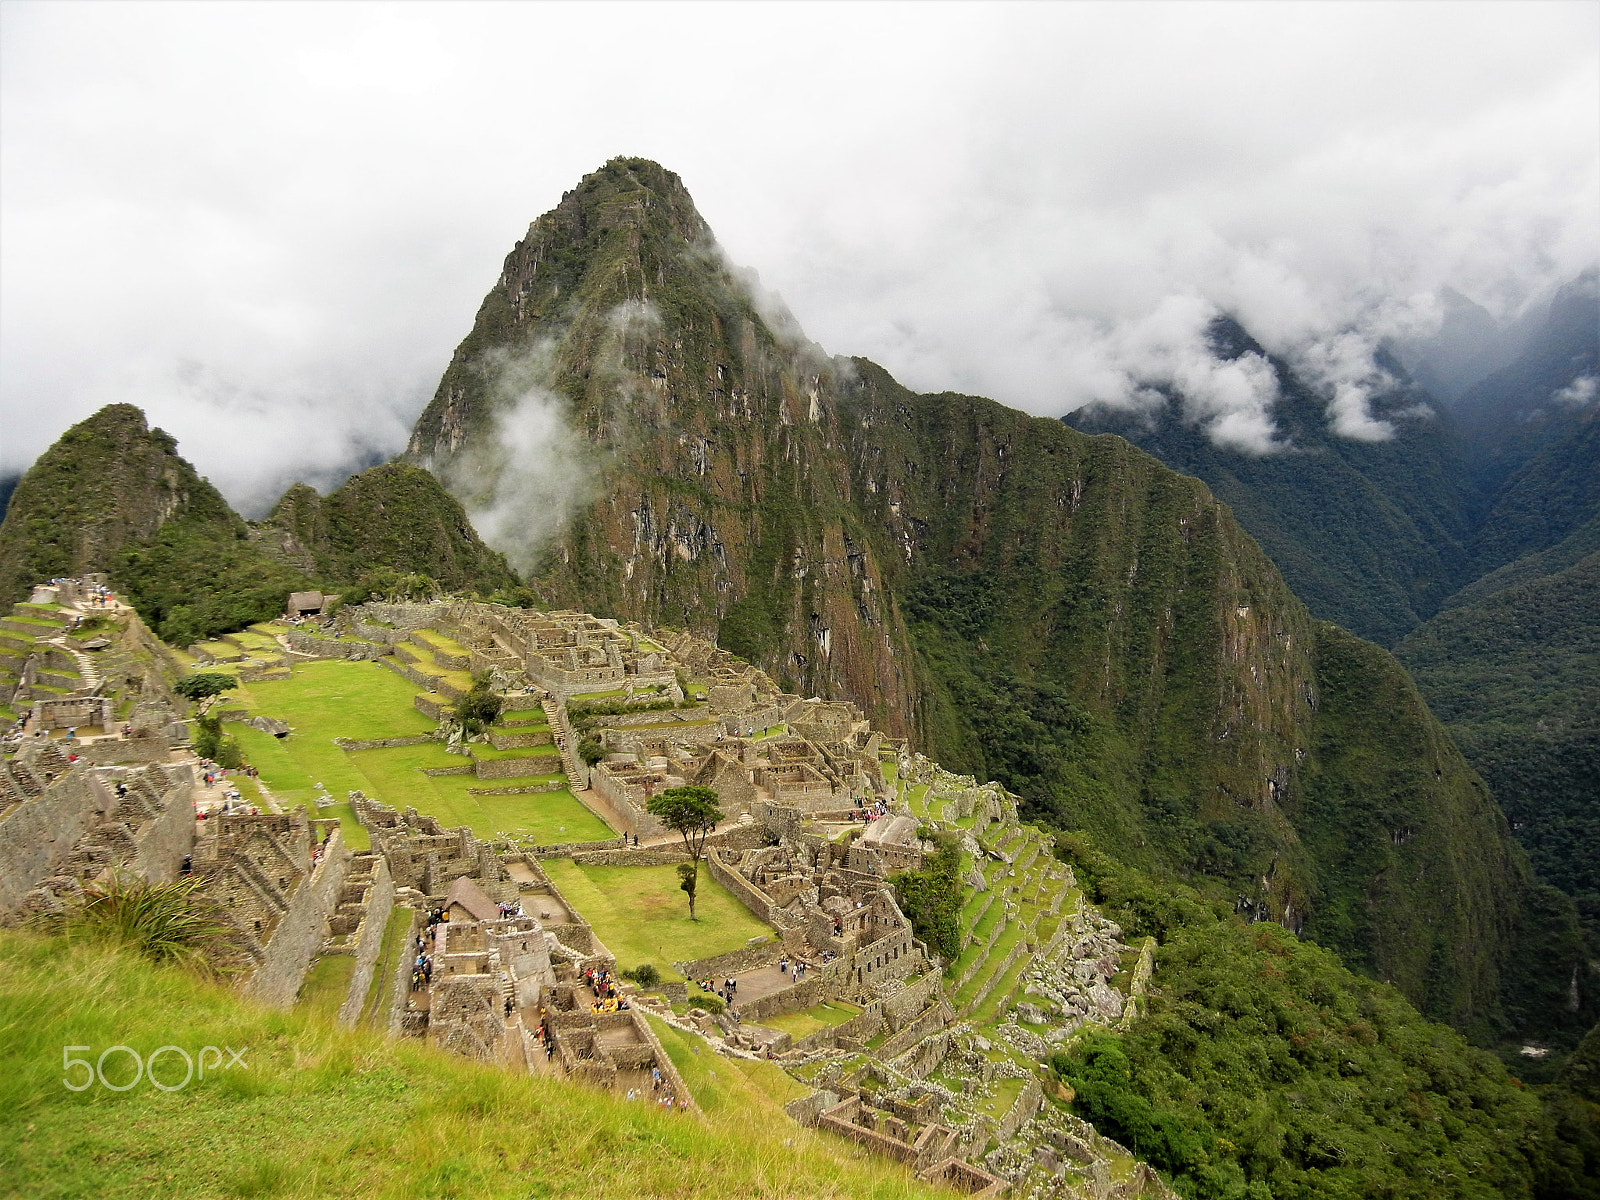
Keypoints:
(270, 225)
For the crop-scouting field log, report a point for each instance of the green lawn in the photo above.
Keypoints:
(548, 817)
(336, 698)
(524, 714)
(808, 1020)
(326, 985)
(490, 754)
(642, 916)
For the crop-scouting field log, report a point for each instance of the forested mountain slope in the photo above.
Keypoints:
(114, 496)
(1056, 610)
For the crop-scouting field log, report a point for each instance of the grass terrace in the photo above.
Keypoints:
(330, 698)
(326, 985)
(810, 1020)
(642, 916)
(731, 1087)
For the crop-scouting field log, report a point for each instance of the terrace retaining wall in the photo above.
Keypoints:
(369, 944)
(299, 934)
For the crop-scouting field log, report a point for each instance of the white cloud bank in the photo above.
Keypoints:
(272, 223)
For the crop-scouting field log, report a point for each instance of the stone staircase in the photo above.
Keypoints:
(577, 772)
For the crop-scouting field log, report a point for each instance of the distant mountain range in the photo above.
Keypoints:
(1466, 543)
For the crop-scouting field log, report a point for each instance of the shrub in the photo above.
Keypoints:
(167, 922)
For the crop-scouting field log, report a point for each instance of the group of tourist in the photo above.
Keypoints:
(872, 812)
(784, 964)
(542, 1034)
(421, 966)
(728, 990)
(510, 910)
(602, 983)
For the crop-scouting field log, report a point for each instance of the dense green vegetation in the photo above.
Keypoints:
(931, 896)
(395, 515)
(190, 583)
(1516, 677)
(316, 1111)
(1263, 1067)
(113, 495)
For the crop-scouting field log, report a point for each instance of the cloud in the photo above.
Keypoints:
(1009, 200)
(1577, 393)
(521, 485)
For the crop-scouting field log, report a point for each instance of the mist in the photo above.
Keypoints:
(270, 225)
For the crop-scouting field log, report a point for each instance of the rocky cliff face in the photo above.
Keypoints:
(1029, 603)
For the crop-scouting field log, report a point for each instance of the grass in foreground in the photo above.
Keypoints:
(322, 1112)
(642, 916)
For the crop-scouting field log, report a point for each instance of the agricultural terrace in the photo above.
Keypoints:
(326, 699)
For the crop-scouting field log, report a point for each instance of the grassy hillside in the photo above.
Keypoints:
(320, 1112)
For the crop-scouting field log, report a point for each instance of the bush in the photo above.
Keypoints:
(210, 742)
(710, 1001)
(166, 922)
(645, 975)
(591, 751)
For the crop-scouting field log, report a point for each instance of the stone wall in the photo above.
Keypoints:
(644, 856)
(400, 988)
(511, 768)
(747, 958)
(369, 941)
(37, 835)
(306, 642)
(607, 797)
(570, 849)
(752, 897)
(1021, 1111)
(299, 933)
(169, 835)
(381, 743)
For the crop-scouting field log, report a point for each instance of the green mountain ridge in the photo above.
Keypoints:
(1057, 611)
(113, 496)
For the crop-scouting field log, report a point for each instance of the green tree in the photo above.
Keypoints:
(479, 708)
(204, 684)
(931, 897)
(691, 811)
(591, 750)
